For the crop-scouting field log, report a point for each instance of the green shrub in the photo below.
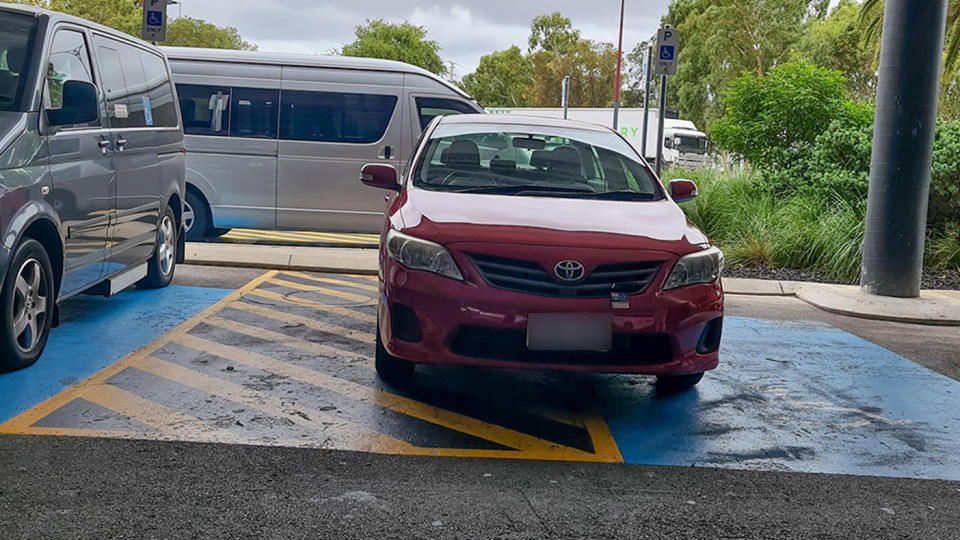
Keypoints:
(945, 181)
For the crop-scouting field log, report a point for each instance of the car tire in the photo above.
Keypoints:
(163, 264)
(677, 383)
(27, 302)
(197, 221)
(390, 368)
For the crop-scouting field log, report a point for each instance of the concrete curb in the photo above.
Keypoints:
(939, 308)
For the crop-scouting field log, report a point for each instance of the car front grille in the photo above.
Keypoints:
(529, 277)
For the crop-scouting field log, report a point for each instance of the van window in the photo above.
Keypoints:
(335, 117)
(430, 108)
(159, 92)
(254, 113)
(69, 61)
(17, 37)
(113, 85)
(205, 109)
(136, 86)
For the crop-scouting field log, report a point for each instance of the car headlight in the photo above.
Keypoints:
(701, 267)
(417, 254)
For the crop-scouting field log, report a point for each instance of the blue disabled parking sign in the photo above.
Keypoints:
(154, 27)
(668, 43)
(666, 52)
(154, 18)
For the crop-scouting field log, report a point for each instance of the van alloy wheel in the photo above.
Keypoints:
(167, 247)
(29, 306)
(188, 216)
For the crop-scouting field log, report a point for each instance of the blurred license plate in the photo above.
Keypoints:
(570, 332)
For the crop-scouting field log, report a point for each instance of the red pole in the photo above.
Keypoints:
(616, 94)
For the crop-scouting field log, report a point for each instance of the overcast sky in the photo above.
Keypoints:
(465, 30)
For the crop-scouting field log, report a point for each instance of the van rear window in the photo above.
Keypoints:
(335, 117)
(17, 35)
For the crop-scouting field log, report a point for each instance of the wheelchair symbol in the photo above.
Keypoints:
(154, 18)
(666, 52)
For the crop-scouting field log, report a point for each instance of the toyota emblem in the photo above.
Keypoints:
(568, 270)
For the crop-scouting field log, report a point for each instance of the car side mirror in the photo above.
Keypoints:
(682, 190)
(379, 176)
(80, 105)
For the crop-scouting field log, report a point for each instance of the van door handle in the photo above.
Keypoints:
(386, 153)
(121, 145)
(104, 146)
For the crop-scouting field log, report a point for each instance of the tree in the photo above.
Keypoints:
(552, 33)
(189, 32)
(790, 106)
(591, 67)
(837, 42)
(502, 79)
(871, 15)
(402, 42)
(720, 39)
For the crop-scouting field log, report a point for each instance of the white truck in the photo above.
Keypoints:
(684, 146)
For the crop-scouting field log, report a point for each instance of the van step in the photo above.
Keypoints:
(128, 278)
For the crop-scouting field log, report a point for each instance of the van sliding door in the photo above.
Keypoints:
(332, 122)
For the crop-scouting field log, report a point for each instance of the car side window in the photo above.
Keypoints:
(430, 108)
(159, 98)
(205, 109)
(335, 116)
(254, 112)
(69, 61)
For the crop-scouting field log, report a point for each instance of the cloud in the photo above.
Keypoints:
(465, 30)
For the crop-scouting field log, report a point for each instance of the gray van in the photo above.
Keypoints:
(276, 141)
(91, 170)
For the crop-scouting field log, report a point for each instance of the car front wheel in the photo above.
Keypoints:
(27, 301)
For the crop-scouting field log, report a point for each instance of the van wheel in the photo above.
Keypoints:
(390, 368)
(161, 266)
(27, 301)
(196, 216)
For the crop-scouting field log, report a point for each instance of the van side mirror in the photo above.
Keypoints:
(682, 190)
(79, 105)
(379, 176)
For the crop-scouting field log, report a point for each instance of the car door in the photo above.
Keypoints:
(134, 231)
(81, 165)
(332, 122)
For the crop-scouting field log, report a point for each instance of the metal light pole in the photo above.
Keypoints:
(616, 93)
(646, 98)
(565, 95)
(663, 113)
(910, 52)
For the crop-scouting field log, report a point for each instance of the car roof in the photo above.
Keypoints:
(302, 60)
(520, 120)
(56, 16)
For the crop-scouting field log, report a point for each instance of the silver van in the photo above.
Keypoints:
(91, 170)
(276, 141)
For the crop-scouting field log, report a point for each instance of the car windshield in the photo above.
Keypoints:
(17, 34)
(691, 144)
(534, 161)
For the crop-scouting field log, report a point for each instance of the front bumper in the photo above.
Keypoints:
(430, 319)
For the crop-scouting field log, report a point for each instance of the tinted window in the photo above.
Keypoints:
(17, 34)
(430, 108)
(159, 92)
(335, 117)
(113, 85)
(253, 113)
(69, 61)
(205, 109)
(136, 85)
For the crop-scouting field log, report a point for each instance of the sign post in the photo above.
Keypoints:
(154, 27)
(647, 69)
(668, 41)
(565, 95)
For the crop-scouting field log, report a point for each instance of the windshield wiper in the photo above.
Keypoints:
(625, 196)
(530, 188)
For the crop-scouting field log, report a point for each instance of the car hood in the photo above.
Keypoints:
(551, 221)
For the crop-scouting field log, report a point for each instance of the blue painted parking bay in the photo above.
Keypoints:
(288, 360)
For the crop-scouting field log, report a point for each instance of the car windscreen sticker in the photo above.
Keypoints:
(147, 111)
(120, 111)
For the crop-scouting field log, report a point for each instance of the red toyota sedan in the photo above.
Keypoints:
(530, 243)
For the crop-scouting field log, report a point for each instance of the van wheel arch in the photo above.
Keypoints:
(44, 231)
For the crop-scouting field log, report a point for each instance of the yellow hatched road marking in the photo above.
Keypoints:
(349, 238)
(323, 290)
(23, 421)
(435, 415)
(291, 238)
(355, 436)
(357, 335)
(302, 344)
(333, 281)
(167, 422)
(269, 295)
